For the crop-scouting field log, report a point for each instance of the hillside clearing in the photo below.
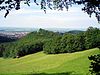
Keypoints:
(40, 63)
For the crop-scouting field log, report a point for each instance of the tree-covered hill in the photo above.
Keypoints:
(31, 43)
(51, 43)
(6, 39)
(75, 31)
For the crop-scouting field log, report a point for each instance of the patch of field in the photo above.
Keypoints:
(55, 64)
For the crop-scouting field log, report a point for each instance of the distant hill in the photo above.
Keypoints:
(15, 29)
(63, 30)
(75, 31)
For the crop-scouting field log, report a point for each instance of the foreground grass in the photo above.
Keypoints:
(41, 64)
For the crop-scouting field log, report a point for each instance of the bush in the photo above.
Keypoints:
(95, 64)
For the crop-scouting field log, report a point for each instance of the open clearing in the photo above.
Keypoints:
(55, 64)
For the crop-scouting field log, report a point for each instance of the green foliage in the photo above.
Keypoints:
(52, 46)
(74, 42)
(1, 50)
(79, 42)
(92, 38)
(95, 64)
(29, 44)
(4, 39)
(30, 48)
(51, 43)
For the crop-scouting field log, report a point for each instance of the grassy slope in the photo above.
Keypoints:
(77, 63)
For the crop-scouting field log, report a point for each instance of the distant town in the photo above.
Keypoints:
(13, 34)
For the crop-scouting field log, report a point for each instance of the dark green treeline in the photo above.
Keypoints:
(51, 43)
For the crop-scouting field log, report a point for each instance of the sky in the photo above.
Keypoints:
(34, 17)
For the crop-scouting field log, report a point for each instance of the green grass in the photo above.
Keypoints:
(39, 63)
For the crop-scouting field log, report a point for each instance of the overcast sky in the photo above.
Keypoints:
(34, 17)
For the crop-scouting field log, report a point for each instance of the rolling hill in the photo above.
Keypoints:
(54, 64)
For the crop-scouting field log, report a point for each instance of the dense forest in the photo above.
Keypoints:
(51, 43)
(6, 39)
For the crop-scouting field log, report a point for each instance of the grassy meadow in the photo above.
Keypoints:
(52, 64)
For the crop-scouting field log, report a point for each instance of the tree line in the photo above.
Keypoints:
(31, 43)
(6, 39)
(51, 43)
(69, 43)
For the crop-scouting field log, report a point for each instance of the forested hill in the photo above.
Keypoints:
(75, 31)
(31, 43)
(51, 43)
(6, 39)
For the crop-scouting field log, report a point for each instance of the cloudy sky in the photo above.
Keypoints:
(34, 17)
